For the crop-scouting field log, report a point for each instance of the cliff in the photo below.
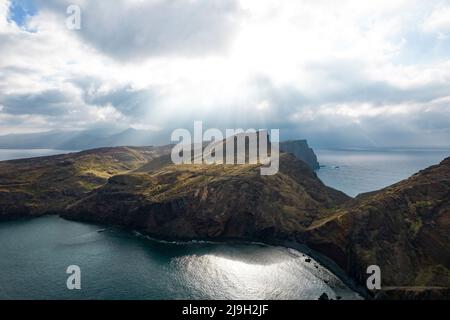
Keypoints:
(212, 201)
(402, 228)
(302, 151)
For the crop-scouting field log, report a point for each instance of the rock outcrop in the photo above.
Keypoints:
(302, 151)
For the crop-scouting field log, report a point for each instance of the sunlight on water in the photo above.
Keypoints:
(118, 265)
(227, 278)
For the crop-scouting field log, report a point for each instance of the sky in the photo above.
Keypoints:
(338, 73)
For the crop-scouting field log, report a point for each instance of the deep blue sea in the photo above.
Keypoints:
(356, 171)
(115, 264)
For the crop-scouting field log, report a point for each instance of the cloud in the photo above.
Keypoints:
(352, 72)
(356, 82)
(128, 30)
(50, 102)
(438, 21)
(131, 102)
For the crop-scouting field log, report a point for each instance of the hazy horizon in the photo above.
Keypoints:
(161, 139)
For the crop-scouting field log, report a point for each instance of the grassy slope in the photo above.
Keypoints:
(48, 184)
(212, 201)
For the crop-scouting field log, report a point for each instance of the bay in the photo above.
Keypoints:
(116, 264)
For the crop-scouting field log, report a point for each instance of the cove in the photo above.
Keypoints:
(116, 264)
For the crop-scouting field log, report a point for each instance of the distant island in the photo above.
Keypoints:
(403, 228)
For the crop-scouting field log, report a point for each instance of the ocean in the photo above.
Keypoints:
(116, 264)
(356, 171)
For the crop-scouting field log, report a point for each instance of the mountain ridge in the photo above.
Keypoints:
(110, 137)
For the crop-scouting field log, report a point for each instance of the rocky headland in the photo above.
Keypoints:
(301, 150)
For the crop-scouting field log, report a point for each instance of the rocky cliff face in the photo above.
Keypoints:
(302, 151)
(404, 228)
(212, 201)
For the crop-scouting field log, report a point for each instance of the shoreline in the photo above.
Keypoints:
(302, 251)
(321, 259)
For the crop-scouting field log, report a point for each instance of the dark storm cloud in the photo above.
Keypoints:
(130, 102)
(285, 97)
(344, 81)
(49, 102)
(134, 30)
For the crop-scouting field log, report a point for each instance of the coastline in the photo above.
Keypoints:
(321, 259)
(289, 263)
